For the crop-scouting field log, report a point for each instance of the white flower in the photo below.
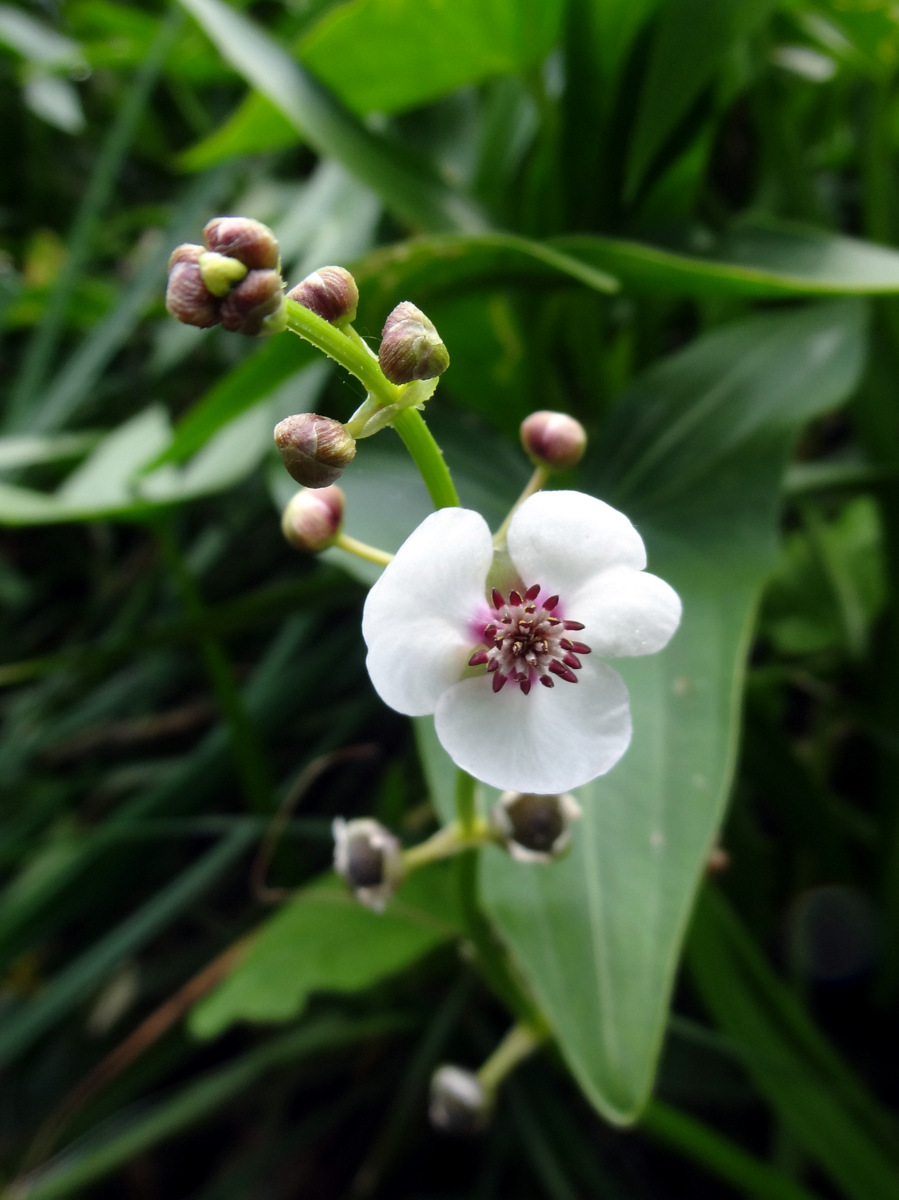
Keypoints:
(482, 642)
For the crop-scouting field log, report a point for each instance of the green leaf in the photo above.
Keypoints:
(701, 443)
(404, 183)
(757, 258)
(255, 125)
(390, 55)
(432, 264)
(324, 940)
(812, 1091)
(691, 40)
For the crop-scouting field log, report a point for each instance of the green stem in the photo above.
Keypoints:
(534, 484)
(445, 843)
(518, 1043)
(362, 550)
(351, 353)
(427, 456)
(466, 809)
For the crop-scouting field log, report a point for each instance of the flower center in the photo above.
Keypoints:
(525, 642)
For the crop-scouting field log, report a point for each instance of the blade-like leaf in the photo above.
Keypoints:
(770, 258)
(813, 1092)
(691, 39)
(405, 184)
(702, 442)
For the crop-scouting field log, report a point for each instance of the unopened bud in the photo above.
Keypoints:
(255, 307)
(187, 297)
(316, 450)
(553, 439)
(458, 1104)
(329, 292)
(535, 828)
(369, 858)
(220, 273)
(313, 519)
(411, 347)
(249, 241)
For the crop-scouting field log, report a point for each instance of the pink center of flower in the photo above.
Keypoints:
(525, 642)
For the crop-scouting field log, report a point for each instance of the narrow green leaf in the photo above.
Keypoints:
(812, 1091)
(21, 1029)
(324, 940)
(756, 258)
(83, 1164)
(691, 39)
(405, 184)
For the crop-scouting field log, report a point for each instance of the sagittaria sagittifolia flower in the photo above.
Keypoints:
(506, 648)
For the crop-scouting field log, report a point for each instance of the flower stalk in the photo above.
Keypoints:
(521, 1040)
(446, 842)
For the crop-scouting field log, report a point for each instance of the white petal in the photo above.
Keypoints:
(417, 617)
(625, 612)
(561, 539)
(551, 740)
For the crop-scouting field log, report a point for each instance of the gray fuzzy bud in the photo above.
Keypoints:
(316, 450)
(329, 292)
(457, 1104)
(411, 347)
(535, 828)
(369, 858)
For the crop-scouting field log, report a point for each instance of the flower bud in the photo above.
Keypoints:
(411, 347)
(458, 1104)
(249, 241)
(219, 272)
(329, 292)
(255, 307)
(535, 828)
(369, 858)
(316, 450)
(187, 297)
(554, 440)
(313, 519)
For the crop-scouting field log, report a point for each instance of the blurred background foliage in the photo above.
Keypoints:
(667, 217)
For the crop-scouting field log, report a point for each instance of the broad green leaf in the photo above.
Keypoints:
(255, 125)
(691, 39)
(812, 1091)
(390, 55)
(700, 446)
(325, 941)
(770, 258)
(405, 184)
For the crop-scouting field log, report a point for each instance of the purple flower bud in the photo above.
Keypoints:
(249, 241)
(313, 519)
(330, 292)
(316, 450)
(411, 347)
(256, 306)
(187, 297)
(554, 440)
(535, 828)
(369, 858)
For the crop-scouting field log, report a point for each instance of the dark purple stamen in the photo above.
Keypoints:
(524, 642)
